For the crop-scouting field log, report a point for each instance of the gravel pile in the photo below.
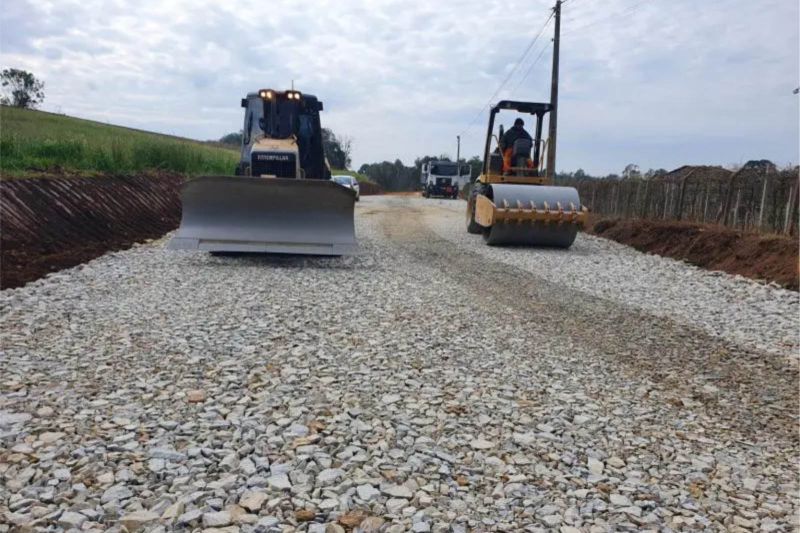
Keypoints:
(412, 388)
(762, 317)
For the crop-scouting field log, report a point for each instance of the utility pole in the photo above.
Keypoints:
(458, 155)
(551, 142)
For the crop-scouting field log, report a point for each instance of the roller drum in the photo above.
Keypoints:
(560, 235)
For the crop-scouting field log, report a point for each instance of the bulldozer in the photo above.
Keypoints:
(514, 200)
(281, 198)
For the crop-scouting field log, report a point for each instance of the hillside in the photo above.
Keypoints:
(35, 141)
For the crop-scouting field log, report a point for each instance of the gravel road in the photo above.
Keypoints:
(430, 384)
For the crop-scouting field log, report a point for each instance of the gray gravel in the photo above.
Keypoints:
(743, 311)
(430, 384)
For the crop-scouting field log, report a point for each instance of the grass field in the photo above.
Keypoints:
(39, 141)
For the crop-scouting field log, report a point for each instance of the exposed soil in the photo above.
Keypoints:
(51, 222)
(771, 258)
(369, 189)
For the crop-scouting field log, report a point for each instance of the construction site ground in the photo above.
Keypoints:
(431, 383)
(760, 256)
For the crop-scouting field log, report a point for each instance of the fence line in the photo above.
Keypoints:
(757, 197)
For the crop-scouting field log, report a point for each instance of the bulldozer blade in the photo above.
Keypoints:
(269, 215)
(531, 200)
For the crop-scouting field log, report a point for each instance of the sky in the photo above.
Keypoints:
(658, 83)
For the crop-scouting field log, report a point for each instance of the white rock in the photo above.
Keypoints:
(329, 476)
(524, 439)
(398, 491)
(217, 519)
(395, 505)
(116, 493)
(619, 500)
(595, 467)
(71, 519)
(49, 437)
(390, 398)
(279, 482)
(138, 520)
(367, 492)
(253, 501)
(481, 444)
(9, 419)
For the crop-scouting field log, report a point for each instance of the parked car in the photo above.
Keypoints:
(348, 181)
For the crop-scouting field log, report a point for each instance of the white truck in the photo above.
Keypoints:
(443, 179)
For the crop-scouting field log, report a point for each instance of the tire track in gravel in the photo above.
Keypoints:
(754, 391)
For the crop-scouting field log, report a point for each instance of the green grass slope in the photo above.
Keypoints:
(39, 141)
(361, 178)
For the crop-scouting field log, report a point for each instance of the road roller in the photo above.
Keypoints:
(514, 201)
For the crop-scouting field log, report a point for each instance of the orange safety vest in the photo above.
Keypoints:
(507, 160)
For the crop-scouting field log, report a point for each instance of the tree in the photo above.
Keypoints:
(392, 176)
(654, 173)
(21, 88)
(234, 138)
(337, 149)
(475, 164)
(631, 171)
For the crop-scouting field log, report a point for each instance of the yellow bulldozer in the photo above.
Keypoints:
(282, 198)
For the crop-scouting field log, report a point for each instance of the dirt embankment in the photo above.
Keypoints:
(55, 222)
(758, 256)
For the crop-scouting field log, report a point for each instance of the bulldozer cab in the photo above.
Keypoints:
(525, 155)
(288, 116)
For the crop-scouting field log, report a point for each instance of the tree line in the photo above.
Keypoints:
(396, 176)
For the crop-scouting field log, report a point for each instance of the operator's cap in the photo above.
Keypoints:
(519, 122)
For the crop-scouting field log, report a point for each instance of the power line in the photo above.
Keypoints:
(613, 17)
(530, 68)
(510, 74)
(626, 12)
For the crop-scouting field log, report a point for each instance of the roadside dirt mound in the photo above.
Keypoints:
(757, 256)
(54, 222)
(367, 188)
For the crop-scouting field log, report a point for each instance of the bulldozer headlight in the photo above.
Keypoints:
(266, 94)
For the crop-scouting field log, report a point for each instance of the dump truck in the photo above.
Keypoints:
(281, 198)
(442, 178)
(514, 200)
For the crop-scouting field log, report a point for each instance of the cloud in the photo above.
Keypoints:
(653, 82)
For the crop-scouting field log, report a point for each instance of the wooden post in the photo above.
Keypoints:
(458, 156)
(683, 192)
(763, 201)
(736, 208)
(787, 218)
(726, 207)
(551, 152)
